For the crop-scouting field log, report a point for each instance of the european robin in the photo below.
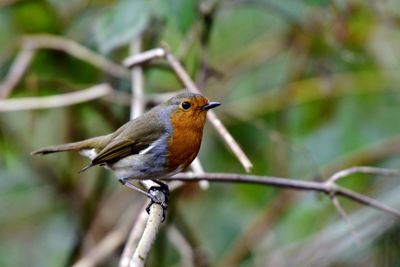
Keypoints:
(156, 145)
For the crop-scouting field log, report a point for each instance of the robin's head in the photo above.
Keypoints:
(189, 108)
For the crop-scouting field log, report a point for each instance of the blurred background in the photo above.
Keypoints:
(308, 88)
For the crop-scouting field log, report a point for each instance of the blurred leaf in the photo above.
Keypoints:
(181, 13)
(120, 24)
(32, 17)
(6, 28)
(66, 7)
(317, 2)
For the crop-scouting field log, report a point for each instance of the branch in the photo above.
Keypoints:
(362, 169)
(124, 98)
(17, 70)
(242, 246)
(55, 101)
(133, 239)
(148, 236)
(328, 187)
(343, 214)
(184, 248)
(144, 57)
(197, 167)
(31, 43)
(137, 103)
(46, 41)
(103, 250)
(106, 247)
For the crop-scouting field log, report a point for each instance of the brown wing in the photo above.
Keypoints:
(130, 139)
(117, 150)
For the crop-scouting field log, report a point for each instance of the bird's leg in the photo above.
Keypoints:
(156, 194)
(161, 194)
(126, 183)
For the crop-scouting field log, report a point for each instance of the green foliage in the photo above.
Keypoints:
(118, 25)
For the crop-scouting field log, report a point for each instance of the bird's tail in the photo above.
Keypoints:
(85, 144)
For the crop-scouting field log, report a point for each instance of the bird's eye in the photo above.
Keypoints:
(186, 105)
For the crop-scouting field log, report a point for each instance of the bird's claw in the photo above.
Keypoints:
(159, 195)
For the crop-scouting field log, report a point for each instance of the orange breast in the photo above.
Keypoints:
(185, 141)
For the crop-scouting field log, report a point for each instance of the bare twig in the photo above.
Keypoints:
(133, 239)
(198, 168)
(18, 68)
(124, 98)
(328, 188)
(256, 230)
(333, 238)
(182, 245)
(46, 41)
(250, 237)
(137, 230)
(144, 57)
(362, 169)
(342, 213)
(148, 237)
(103, 250)
(137, 98)
(31, 43)
(55, 101)
(111, 241)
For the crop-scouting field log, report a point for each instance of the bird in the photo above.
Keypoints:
(156, 145)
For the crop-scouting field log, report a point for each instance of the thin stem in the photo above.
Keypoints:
(134, 236)
(362, 169)
(326, 188)
(148, 237)
(47, 41)
(182, 245)
(342, 213)
(17, 70)
(137, 98)
(106, 247)
(55, 101)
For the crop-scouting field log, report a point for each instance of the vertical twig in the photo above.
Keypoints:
(339, 208)
(114, 239)
(182, 245)
(137, 99)
(148, 237)
(18, 68)
(197, 167)
(133, 238)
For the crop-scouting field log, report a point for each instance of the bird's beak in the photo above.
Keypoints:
(210, 105)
